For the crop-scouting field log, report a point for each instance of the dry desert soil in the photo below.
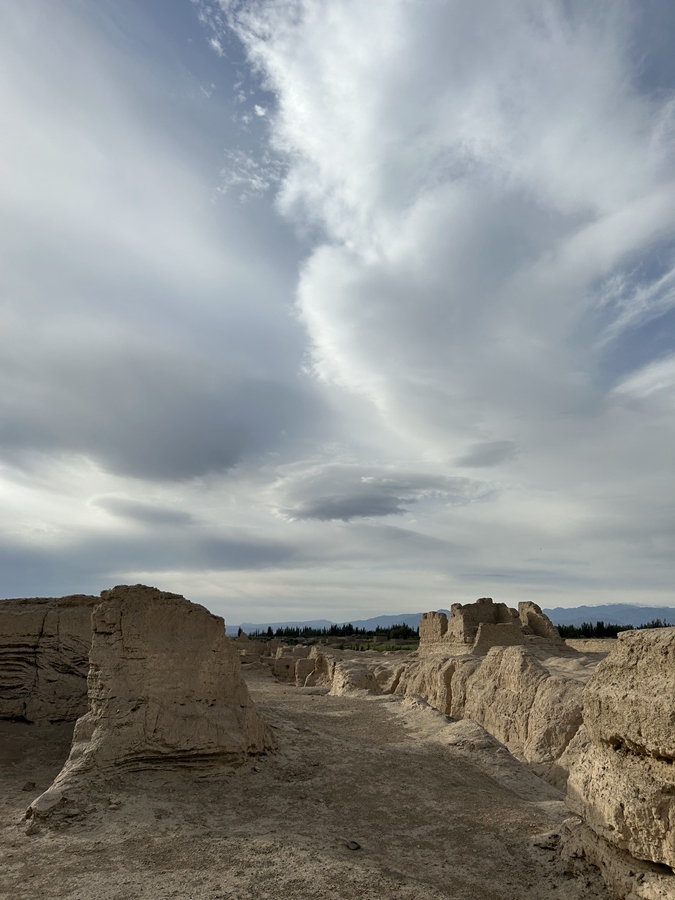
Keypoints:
(438, 808)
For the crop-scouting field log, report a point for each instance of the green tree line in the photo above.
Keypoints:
(394, 632)
(600, 630)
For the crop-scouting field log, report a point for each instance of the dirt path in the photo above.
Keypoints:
(439, 811)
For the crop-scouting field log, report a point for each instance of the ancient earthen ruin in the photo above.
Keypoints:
(622, 775)
(475, 627)
(44, 657)
(599, 724)
(164, 689)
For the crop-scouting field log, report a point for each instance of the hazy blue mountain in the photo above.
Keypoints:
(611, 614)
(411, 619)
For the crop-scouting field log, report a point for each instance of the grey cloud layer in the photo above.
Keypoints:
(91, 563)
(335, 492)
(448, 362)
(145, 513)
(488, 453)
(144, 326)
(145, 412)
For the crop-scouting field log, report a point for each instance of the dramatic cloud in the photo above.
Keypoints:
(495, 190)
(334, 492)
(475, 171)
(317, 306)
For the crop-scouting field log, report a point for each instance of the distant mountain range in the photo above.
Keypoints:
(609, 613)
(410, 619)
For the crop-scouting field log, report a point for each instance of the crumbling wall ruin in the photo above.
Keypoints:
(607, 722)
(622, 778)
(475, 627)
(486, 662)
(254, 652)
(289, 663)
(164, 689)
(533, 706)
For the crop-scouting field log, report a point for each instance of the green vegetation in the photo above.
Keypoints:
(346, 636)
(600, 630)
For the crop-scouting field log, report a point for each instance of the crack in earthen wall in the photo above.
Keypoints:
(33, 690)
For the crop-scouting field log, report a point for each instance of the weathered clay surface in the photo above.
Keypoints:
(350, 676)
(501, 693)
(44, 657)
(527, 699)
(433, 628)
(500, 634)
(627, 800)
(465, 667)
(457, 634)
(630, 699)
(284, 668)
(553, 722)
(344, 675)
(251, 653)
(164, 688)
(322, 673)
(536, 622)
(531, 705)
(592, 645)
(299, 651)
(440, 809)
(291, 664)
(626, 877)
(559, 771)
(431, 679)
(622, 780)
(388, 673)
(303, 668)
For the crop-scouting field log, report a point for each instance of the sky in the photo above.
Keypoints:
(324, 308)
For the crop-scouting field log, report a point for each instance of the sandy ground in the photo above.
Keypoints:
(439, 809)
